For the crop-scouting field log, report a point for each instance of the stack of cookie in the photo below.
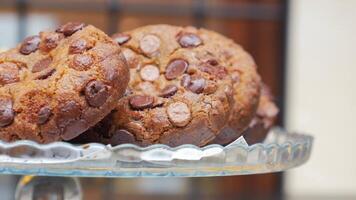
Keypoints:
(155, 84)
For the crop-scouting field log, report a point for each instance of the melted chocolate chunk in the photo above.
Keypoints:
(96, 93)
(43, 115)
(176, 68)
(45, 74)
(213, 62)
(139, 102)
(197, 85)
(50, 41)
(42, 64)
(69, 28)
(30, 44)
(189, 40)
(211, 67)
(7, 114)
(168, 91)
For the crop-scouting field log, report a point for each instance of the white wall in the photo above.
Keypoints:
(9, 27)
(322, 94)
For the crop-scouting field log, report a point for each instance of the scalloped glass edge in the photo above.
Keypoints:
(280, 151)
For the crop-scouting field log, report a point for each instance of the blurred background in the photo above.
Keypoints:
(305, 51)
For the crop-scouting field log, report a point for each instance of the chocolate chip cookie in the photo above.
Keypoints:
(266, 115)
(57, 84)
(260, 125)
(186, 85)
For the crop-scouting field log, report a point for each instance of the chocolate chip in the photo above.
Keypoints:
(149, 73)
(50, 41)
(185, 81)
(213, 62)
(9, 73)
(78, 46)
(168, 91)
(30, 44)
(70, 28)
(149, 44)
(41, 64)
(96, 93)
(73, 129)
(213, 69)
(197, 85)
(6, 111)
(81, 62)
(139, 102)
(122, 136)
(45, 74)
(176, 68)
(43, 115)
(121, 38)
(189, 40)
(179, 114)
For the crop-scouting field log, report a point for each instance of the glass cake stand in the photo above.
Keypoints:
(280, 151)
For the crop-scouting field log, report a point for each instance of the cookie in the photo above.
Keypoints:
(260, 125)
(265, 118)
(186, 85)
(57, 84)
